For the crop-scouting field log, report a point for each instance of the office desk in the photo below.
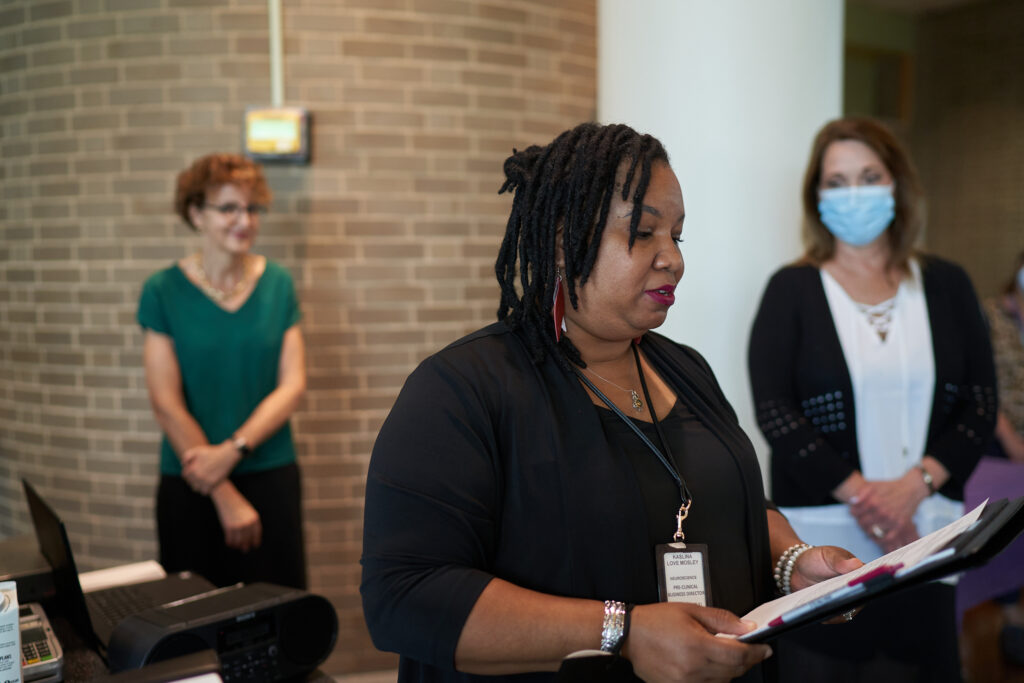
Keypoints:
(81, 663)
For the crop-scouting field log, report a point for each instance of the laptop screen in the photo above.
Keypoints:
(55, 547)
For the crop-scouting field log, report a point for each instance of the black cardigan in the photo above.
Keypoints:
(490, 465)
(803, 397)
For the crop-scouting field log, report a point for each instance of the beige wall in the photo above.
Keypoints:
(391, 233)
(968, 136)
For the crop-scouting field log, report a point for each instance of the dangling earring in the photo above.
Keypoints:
(558, 307)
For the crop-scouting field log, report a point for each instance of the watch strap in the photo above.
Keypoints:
(242, 446)
(929, 481)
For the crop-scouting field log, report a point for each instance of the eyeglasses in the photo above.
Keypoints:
(233, 210)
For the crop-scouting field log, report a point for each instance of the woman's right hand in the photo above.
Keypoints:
(238, 518)
(206, 465)
(676, 641)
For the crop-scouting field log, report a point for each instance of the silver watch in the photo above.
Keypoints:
(929, 481)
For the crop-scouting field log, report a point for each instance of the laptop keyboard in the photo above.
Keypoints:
(115, 604)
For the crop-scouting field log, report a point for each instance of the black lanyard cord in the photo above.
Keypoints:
(684, 492)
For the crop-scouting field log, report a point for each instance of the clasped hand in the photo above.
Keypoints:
(205, 466)
(243, 529)
(885, 510)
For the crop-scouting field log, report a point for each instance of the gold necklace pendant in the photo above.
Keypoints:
(638, 405)
(215, 293)
(634, 397)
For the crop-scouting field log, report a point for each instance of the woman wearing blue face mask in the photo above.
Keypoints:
(874, 385)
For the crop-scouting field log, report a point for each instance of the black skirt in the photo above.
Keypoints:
(906, 637)
(191, 537)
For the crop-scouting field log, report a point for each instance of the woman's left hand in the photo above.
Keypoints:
(823, 562)
(883, 507)
(203, 467)
(820, 563)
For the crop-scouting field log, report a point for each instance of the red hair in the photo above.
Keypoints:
(212, 171)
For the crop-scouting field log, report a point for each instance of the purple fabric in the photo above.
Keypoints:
(994, 478)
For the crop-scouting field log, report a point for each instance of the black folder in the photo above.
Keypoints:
(1000, 523)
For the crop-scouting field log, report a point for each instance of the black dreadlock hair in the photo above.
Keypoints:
(564, 188)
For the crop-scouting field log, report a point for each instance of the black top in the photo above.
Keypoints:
(491, 465)
(803, 395)
(712, 478)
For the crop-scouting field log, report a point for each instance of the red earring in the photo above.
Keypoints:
(558, 307)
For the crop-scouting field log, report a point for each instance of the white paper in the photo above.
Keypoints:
(910, 556)
(122, 575)
(202, 678)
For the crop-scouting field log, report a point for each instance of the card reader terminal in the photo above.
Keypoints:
(42, 660)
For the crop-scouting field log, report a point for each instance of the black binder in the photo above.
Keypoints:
(999, 524)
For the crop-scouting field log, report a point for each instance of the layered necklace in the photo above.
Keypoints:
(634, 396)
(214, 292)
(879, 316)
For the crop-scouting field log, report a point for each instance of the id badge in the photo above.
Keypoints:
(683, 573)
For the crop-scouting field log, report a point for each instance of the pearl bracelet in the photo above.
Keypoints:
(784, 567)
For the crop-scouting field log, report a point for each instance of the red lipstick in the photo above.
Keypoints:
(664, 295)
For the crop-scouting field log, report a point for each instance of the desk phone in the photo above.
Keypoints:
(42, 660)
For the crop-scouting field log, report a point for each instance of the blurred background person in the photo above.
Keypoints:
(527, 473)
(1006, 325)
(225, 369)
(1006, 320)
(873, 383)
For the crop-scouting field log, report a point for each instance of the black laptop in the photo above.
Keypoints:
(96, 615)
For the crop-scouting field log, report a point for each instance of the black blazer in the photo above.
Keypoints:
(803, 397)
(490, 465)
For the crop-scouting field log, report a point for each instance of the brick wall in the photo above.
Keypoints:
(968, 136)
(391, 233)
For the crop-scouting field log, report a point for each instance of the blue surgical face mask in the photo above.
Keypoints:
(858, 214)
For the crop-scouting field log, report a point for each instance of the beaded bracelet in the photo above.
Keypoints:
(784, 567)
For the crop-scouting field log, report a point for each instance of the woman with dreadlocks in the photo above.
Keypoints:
(524, 493)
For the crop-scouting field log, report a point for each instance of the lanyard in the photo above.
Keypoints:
(685, 496)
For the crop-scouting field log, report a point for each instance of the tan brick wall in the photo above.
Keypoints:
(968, 136)
(391, 233)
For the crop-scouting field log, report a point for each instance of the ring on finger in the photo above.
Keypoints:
(848, 616)
(877, 531)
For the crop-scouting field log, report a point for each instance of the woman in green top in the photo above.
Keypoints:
(225, 369)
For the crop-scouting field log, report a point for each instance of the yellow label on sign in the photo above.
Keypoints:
(274, 131)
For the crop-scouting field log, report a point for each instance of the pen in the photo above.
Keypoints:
(877, 572)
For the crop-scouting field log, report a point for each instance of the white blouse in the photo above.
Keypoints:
(893, 387)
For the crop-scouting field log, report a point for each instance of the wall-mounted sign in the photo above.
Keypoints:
(277, 134)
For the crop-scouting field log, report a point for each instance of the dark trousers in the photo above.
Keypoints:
(191, 537)
(908, 637)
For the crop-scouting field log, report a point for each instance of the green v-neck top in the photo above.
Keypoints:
(228, 360)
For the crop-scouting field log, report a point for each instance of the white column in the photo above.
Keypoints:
(735, 89)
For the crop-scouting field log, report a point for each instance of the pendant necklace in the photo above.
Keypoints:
(208, 287)
(638, 405)
(683, 570)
